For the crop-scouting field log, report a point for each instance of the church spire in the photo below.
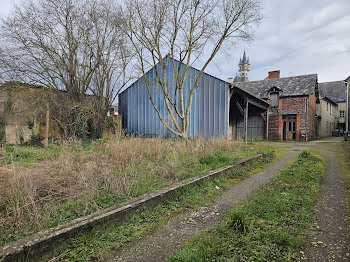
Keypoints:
(244, 57)
(244, 67)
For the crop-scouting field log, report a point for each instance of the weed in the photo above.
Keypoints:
(104, 239)
(63, 182)
(270, 225)
(237, 221)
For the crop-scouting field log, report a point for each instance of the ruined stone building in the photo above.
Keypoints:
(20, 104)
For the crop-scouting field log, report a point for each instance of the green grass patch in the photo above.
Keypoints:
(343, 153)
(24, 155)
(270, 225)
(104, 239)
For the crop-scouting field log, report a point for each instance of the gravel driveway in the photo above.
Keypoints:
(328, 238)
(163, 243)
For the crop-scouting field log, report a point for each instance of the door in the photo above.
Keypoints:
(289, 128)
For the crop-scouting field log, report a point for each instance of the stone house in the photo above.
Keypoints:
(332, 107)
(293, 105)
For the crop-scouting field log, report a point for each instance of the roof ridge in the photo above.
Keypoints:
(331, 81)
(314, 74)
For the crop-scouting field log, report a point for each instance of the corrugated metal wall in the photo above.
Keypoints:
(208, 115)
(256, 128)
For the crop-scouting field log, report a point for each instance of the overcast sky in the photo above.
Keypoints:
(296, 36)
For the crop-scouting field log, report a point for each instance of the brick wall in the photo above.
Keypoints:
(294, 105)
(274, 127)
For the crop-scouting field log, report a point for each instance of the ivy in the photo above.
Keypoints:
(8, 104)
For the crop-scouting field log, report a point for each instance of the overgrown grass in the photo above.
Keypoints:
(270, 225)
(344, 157)
(44, 187)
(104, 239)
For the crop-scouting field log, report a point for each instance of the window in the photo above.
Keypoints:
(342, 114)
(274, 93)
(274, 99)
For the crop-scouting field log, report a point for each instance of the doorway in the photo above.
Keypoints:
(289, 127)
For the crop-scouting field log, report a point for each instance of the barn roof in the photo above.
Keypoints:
(335, 91)
(290, 86)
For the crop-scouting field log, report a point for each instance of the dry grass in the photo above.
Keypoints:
(40, 188)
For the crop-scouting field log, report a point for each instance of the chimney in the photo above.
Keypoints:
(274, 74)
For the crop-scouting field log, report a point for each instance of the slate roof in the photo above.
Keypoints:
(335, 91)
(241, 79)
(290, 86)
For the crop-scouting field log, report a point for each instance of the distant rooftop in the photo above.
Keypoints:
(335, 91)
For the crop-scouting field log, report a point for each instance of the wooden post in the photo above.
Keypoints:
(118, 129)
(46, 141)
(246, 121)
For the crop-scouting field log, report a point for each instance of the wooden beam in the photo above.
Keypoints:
(240, 108)
(250, 96)
(231, 93)
(257, 104)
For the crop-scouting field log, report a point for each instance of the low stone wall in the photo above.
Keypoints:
(15, 134)
(35, 246)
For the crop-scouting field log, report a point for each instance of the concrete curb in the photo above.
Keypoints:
(39, 243)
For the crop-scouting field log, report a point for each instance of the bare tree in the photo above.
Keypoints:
(71, 46)
(190, 31)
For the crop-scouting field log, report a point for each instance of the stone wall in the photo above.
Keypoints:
(22, 112)
(17, 113)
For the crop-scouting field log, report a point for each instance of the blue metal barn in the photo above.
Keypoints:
(210, 111)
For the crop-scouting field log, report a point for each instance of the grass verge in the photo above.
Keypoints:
(102, 240)
(270, 225)
(41, 188)
(343, 153)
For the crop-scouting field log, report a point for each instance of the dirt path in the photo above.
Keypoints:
(328, 238)
(163, 243)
